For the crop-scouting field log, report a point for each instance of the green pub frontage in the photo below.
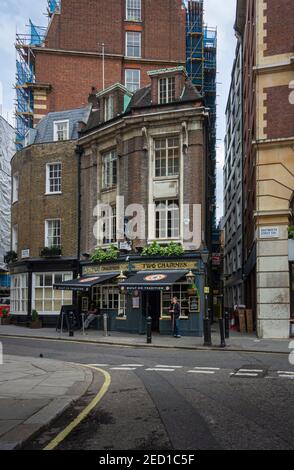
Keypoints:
(133, 288)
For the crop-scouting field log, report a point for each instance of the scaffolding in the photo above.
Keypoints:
(201, 64)
(25, 73)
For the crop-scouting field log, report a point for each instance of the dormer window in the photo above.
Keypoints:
(166, 90)
(109, 107)
(61, 130)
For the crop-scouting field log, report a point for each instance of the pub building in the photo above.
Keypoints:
(148, 148)
(130, 291)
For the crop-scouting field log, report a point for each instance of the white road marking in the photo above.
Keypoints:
(132, 365)
(285, 372)
(287, 376)
(251, 370)
(123, 368)
(201, 371)
(207, 368)
(245, 374)
(170, 367)
(160, 370)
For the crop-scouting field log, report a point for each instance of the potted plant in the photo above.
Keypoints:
(192, 290)
(51, 252)
(5, 317)
(100, 255)
(36, 322)
(10, 257)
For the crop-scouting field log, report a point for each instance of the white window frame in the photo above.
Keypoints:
(49, 294)
(48, 191)
(19, 294)
(55, 130)
(15, 188)
(108, 108)
(133, 33)
(168, 98)
(130, 5)
(168, 209)
(47, 232)
(109, 218)
(133, 85)
(108, 180)
(14, 238)
(167, 159)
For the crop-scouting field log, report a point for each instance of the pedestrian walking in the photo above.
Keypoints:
(175, 311)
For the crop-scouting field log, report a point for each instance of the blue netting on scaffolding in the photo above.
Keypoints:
(37, 34)
(53, 5)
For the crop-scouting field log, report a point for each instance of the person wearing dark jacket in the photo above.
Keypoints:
(175, 311)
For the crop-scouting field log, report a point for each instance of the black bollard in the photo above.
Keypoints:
(70, 326)
(222, 332)
(149, 330)
(227, 325)
(207, 325)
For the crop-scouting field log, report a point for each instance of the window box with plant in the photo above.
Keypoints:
(100, 255)
(51, 252)
(4, 318)
(291, 233)
(170, 250)
(36, 322)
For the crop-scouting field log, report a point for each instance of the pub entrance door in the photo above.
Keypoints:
(152, 307)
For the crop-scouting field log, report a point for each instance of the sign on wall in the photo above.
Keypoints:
(269, 232)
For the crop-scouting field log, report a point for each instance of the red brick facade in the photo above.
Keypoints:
(71, 62)
(280, 113)
(279, 27)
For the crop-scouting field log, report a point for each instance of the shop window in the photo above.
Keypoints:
(167, 156)
(188, 304)
(167, 219)
(19, 293)
(47, 300)
(107, 297)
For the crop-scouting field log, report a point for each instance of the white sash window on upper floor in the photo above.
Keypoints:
(133, 10)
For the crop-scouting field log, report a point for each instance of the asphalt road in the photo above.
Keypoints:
(163, 399)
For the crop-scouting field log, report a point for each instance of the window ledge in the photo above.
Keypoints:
(53, 194)
(121, 318)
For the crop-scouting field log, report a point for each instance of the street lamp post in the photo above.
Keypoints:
(206, 320)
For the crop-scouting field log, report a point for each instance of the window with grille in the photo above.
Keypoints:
(133, 10)
(109, 169)
(53, 233)
(133, 44)
(167, 153)
(61, 130)
(53, 180)
(167, 90)
(132, 79)
(167, 219)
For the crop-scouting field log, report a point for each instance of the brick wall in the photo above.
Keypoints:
(279, 27)
(280, 113)
(34, 207)
(83, 24)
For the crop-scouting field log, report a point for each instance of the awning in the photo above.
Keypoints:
(146, 280)
(85, 283)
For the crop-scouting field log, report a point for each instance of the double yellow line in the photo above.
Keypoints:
(63, 434)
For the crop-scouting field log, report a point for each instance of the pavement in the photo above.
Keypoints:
(236, 342)
(33, 392)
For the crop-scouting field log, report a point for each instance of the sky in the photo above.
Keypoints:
(15, 14)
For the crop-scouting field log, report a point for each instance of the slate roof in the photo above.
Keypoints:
(142, 99)
(44, 132)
